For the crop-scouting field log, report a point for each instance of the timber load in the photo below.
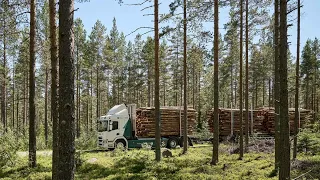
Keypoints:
(263, 120)
(171, 121)
(269, 118)
(226, 126)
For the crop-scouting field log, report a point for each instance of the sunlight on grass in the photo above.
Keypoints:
(140, 164)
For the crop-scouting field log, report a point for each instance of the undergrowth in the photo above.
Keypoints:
(140, 164)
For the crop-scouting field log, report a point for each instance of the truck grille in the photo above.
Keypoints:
(100, 141)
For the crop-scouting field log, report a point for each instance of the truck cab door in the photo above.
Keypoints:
(114, 130)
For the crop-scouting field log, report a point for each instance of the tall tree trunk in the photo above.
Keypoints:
(87, 108)
(240, 81)
(66, 166)
(149, 85)
(3, 87)
(185, 93)
(24, 120)
(17, 111)
(247, 79)
(314, 93)
(54, 89)
(276, 84)
(32, 109)
(156, 71)
(307, 93)
(98, 91)
(235, 91)
(284, 119)
(91, 101)
(193, 85)
(78, 90)
(263, 92)
(164, 92)
(13, 96)
(231, 104)
(46, 109)
(199, 101)
(256, 89)
(269, 93)
(296, 100)
(215, 153)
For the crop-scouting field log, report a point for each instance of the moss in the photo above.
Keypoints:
(140, 164)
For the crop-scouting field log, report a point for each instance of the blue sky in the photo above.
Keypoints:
(130, 18)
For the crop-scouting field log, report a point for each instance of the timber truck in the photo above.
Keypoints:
(117, 129)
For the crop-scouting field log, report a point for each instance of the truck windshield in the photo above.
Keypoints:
(103, 126)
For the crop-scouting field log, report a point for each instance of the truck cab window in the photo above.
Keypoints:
(103, 126)
(114, 125)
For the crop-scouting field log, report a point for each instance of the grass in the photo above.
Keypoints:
(140, 164)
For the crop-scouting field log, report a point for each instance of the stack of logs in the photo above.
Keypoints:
(269, 118)
(263, 120)
(170, 121)
(225, 125)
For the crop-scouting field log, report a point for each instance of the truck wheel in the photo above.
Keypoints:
(120, 144)
(172, 143)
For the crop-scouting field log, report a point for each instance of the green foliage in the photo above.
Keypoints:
(140, 164)
(308, 142)
(87, 141)
(8, 149)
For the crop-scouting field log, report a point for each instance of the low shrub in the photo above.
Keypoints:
(308, 142)
(8, 149)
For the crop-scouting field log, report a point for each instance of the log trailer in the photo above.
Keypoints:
(117, 129)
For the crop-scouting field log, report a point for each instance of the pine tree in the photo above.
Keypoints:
(276, 84)
(215, 154)
(240, 81)
(296, 115)
(284, 172)
(32, 109)
(156, 84)
(54, 89)
(185, 122)
(66, 165)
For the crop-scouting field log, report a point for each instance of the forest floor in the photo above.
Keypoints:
(140, 164)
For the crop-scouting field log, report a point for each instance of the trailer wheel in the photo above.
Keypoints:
(120, 144)
(172, 143)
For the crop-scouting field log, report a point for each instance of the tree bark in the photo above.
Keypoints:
(66, 166)
(91, 103)
(276, 84)
(32, 111)
(3, 87)
(156, 71)
(46, 109)
(17, 111)
(284, 119)
(296, 102)
(247, 80)
(54, 89)
(13, 96)
(98, 90)
(185, 93)
(78, 90)
(240, 81)
(215, 153)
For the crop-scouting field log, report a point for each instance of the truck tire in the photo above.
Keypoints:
(120, 144)
(172, 143)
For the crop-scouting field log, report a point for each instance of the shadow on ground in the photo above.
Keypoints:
(306, 169)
